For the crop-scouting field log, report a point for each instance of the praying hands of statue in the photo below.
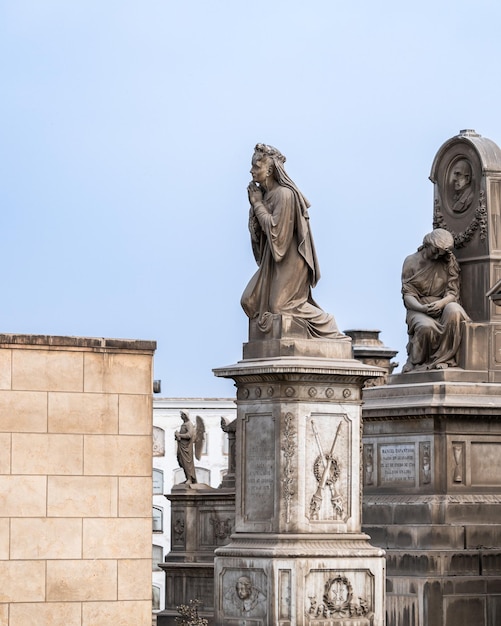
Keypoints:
(255, 194)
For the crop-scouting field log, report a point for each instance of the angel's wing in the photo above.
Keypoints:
(199, 437)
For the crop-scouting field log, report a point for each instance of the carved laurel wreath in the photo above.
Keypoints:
(479, 222)
(338, 601)
(318, 469)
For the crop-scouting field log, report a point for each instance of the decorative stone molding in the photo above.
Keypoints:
(289, 449)
(368, 461)
(222, 528)
(178, 531)
(458, 455)
(425, 462)
(337, 602)
(479, 222)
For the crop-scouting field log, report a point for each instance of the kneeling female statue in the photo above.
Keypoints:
(283, 249)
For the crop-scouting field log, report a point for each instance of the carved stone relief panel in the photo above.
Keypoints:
(460, 185)
(342, 596)
(244, 595)
(178, 528)
(460, 202)
(458, 461)
(425, 468)
(328, 468)
(368, 464)
(289, 445)
(215, 527)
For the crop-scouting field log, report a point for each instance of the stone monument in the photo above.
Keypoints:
(432, 435)
(368, 348)
(297, 556)
(202, 519)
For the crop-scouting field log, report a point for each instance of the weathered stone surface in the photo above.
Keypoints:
(201, 520)
(436, 509)
(297, 544)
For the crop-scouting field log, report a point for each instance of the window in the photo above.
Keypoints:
(158, 441)
(156, 598)
(158, 519)
(158, 481)
(158, 557)
(203, 476)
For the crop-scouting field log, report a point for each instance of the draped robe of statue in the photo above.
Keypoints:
(288, 266)
(433, 341)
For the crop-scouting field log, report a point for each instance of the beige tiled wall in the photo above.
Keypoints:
(75, 481)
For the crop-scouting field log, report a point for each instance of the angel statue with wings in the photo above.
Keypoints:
(189, 437)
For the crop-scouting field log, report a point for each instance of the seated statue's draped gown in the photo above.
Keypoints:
(288, 266)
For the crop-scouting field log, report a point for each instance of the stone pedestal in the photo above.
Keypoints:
(432, 439)
(368, 348)
(202, 519)
(298, 556)
(432, 495)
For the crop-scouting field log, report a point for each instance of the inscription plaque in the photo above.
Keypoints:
(259, 478)
(397, 463)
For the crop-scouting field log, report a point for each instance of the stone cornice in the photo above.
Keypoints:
(299, 369)
(55, 341)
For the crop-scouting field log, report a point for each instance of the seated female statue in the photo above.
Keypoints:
(430, 289)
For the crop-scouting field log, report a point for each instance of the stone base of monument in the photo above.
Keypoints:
(432, 495)
(202, 519)
(288, 337)
(298, 556)
(283, 581)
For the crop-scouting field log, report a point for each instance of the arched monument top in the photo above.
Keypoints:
(466, 175)
(489, 153)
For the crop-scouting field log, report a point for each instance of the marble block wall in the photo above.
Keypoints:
(75, 481)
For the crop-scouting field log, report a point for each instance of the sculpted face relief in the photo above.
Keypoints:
(461, 175)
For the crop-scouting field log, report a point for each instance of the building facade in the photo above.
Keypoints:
(210, 468)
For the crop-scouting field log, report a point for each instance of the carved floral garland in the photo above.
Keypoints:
(479, 222)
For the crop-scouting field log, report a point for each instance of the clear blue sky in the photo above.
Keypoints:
(126, 133)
